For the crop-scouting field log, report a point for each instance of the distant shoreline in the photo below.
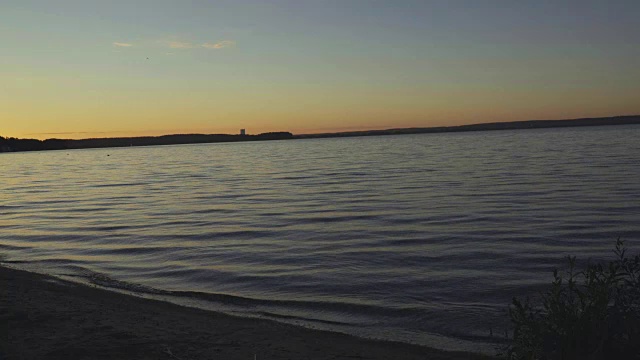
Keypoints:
(511, 125)
(19, 145)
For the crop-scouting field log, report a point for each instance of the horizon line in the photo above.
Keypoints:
(364, 130)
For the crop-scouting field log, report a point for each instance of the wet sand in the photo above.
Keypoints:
(42, 317)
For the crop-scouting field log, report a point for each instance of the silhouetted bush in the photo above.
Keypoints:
(592, 314)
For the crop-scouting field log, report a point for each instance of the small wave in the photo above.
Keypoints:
(83, 210)
(108, 282)
(118, 185)
(334, 219)
(111, 228)
(140, 250)
(2, 260)
(214, 211)
(301, 318)
(301, 177)
(240, 234)
(13, 247)
(10, 207)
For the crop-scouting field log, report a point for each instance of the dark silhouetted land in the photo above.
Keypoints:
(513, 125)
(13, 144)
(45, 318)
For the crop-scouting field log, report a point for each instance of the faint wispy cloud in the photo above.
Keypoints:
(177, 43)
(121, 44)
(219, 45)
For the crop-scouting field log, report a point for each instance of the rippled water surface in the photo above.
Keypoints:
(417, 238)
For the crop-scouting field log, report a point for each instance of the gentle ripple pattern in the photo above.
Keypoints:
(417, 238)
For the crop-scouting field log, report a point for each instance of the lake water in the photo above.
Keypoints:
(417, 238)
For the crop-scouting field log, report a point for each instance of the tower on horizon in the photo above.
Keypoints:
(242, 132)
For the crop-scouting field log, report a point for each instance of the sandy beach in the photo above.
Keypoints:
(46, 318)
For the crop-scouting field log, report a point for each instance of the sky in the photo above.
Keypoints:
(84, 68)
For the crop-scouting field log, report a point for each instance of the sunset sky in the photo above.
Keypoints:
(83, 68)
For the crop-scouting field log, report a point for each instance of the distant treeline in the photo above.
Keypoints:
(13, 144)
(514, 125)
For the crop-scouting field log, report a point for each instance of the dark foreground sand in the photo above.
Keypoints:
(45, 318)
